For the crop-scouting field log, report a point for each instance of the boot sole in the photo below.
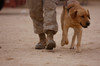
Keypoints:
(40, 46)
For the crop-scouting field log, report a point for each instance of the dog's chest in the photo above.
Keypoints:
(70, 23)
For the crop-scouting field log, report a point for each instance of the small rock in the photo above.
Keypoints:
(0, 47)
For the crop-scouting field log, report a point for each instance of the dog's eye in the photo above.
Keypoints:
(82, 16)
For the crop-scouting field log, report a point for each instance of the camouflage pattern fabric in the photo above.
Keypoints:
(43, 14)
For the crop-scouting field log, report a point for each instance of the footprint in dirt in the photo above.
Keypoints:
(10, 59)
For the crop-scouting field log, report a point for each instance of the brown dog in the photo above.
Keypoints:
(76, 17)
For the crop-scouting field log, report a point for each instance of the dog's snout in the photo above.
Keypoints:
(87, 23)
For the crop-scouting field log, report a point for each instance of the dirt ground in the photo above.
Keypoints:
(17, 41)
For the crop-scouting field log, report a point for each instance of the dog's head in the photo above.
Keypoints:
(81, 16)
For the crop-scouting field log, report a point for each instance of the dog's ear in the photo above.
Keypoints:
(88, 14)
(74, 14)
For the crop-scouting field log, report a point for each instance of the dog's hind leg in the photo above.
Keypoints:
(79, 35)
(73, 39)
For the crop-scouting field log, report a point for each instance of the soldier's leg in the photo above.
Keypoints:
(36, 14)
(50, 23)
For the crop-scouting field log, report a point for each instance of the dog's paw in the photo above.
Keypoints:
(71, 47)
(64, 43)
(78, 50)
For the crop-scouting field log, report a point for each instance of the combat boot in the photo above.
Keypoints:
(42, 42)
(50, 42)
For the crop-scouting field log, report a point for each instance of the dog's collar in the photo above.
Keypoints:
(66, 4)
(69, 9)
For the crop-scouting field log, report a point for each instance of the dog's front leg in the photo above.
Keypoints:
(64, 36)
(79, 35)
(73, 39)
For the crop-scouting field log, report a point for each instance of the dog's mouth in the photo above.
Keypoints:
(83, 26)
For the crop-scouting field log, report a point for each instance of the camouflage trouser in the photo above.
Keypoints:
(43, 14)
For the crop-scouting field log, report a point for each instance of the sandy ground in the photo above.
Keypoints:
(17, 41)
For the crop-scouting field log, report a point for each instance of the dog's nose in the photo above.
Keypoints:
(87, 23)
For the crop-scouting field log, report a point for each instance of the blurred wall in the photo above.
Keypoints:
(94, 0)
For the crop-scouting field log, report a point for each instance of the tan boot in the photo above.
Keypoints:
(50, 42)
(42, 43)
